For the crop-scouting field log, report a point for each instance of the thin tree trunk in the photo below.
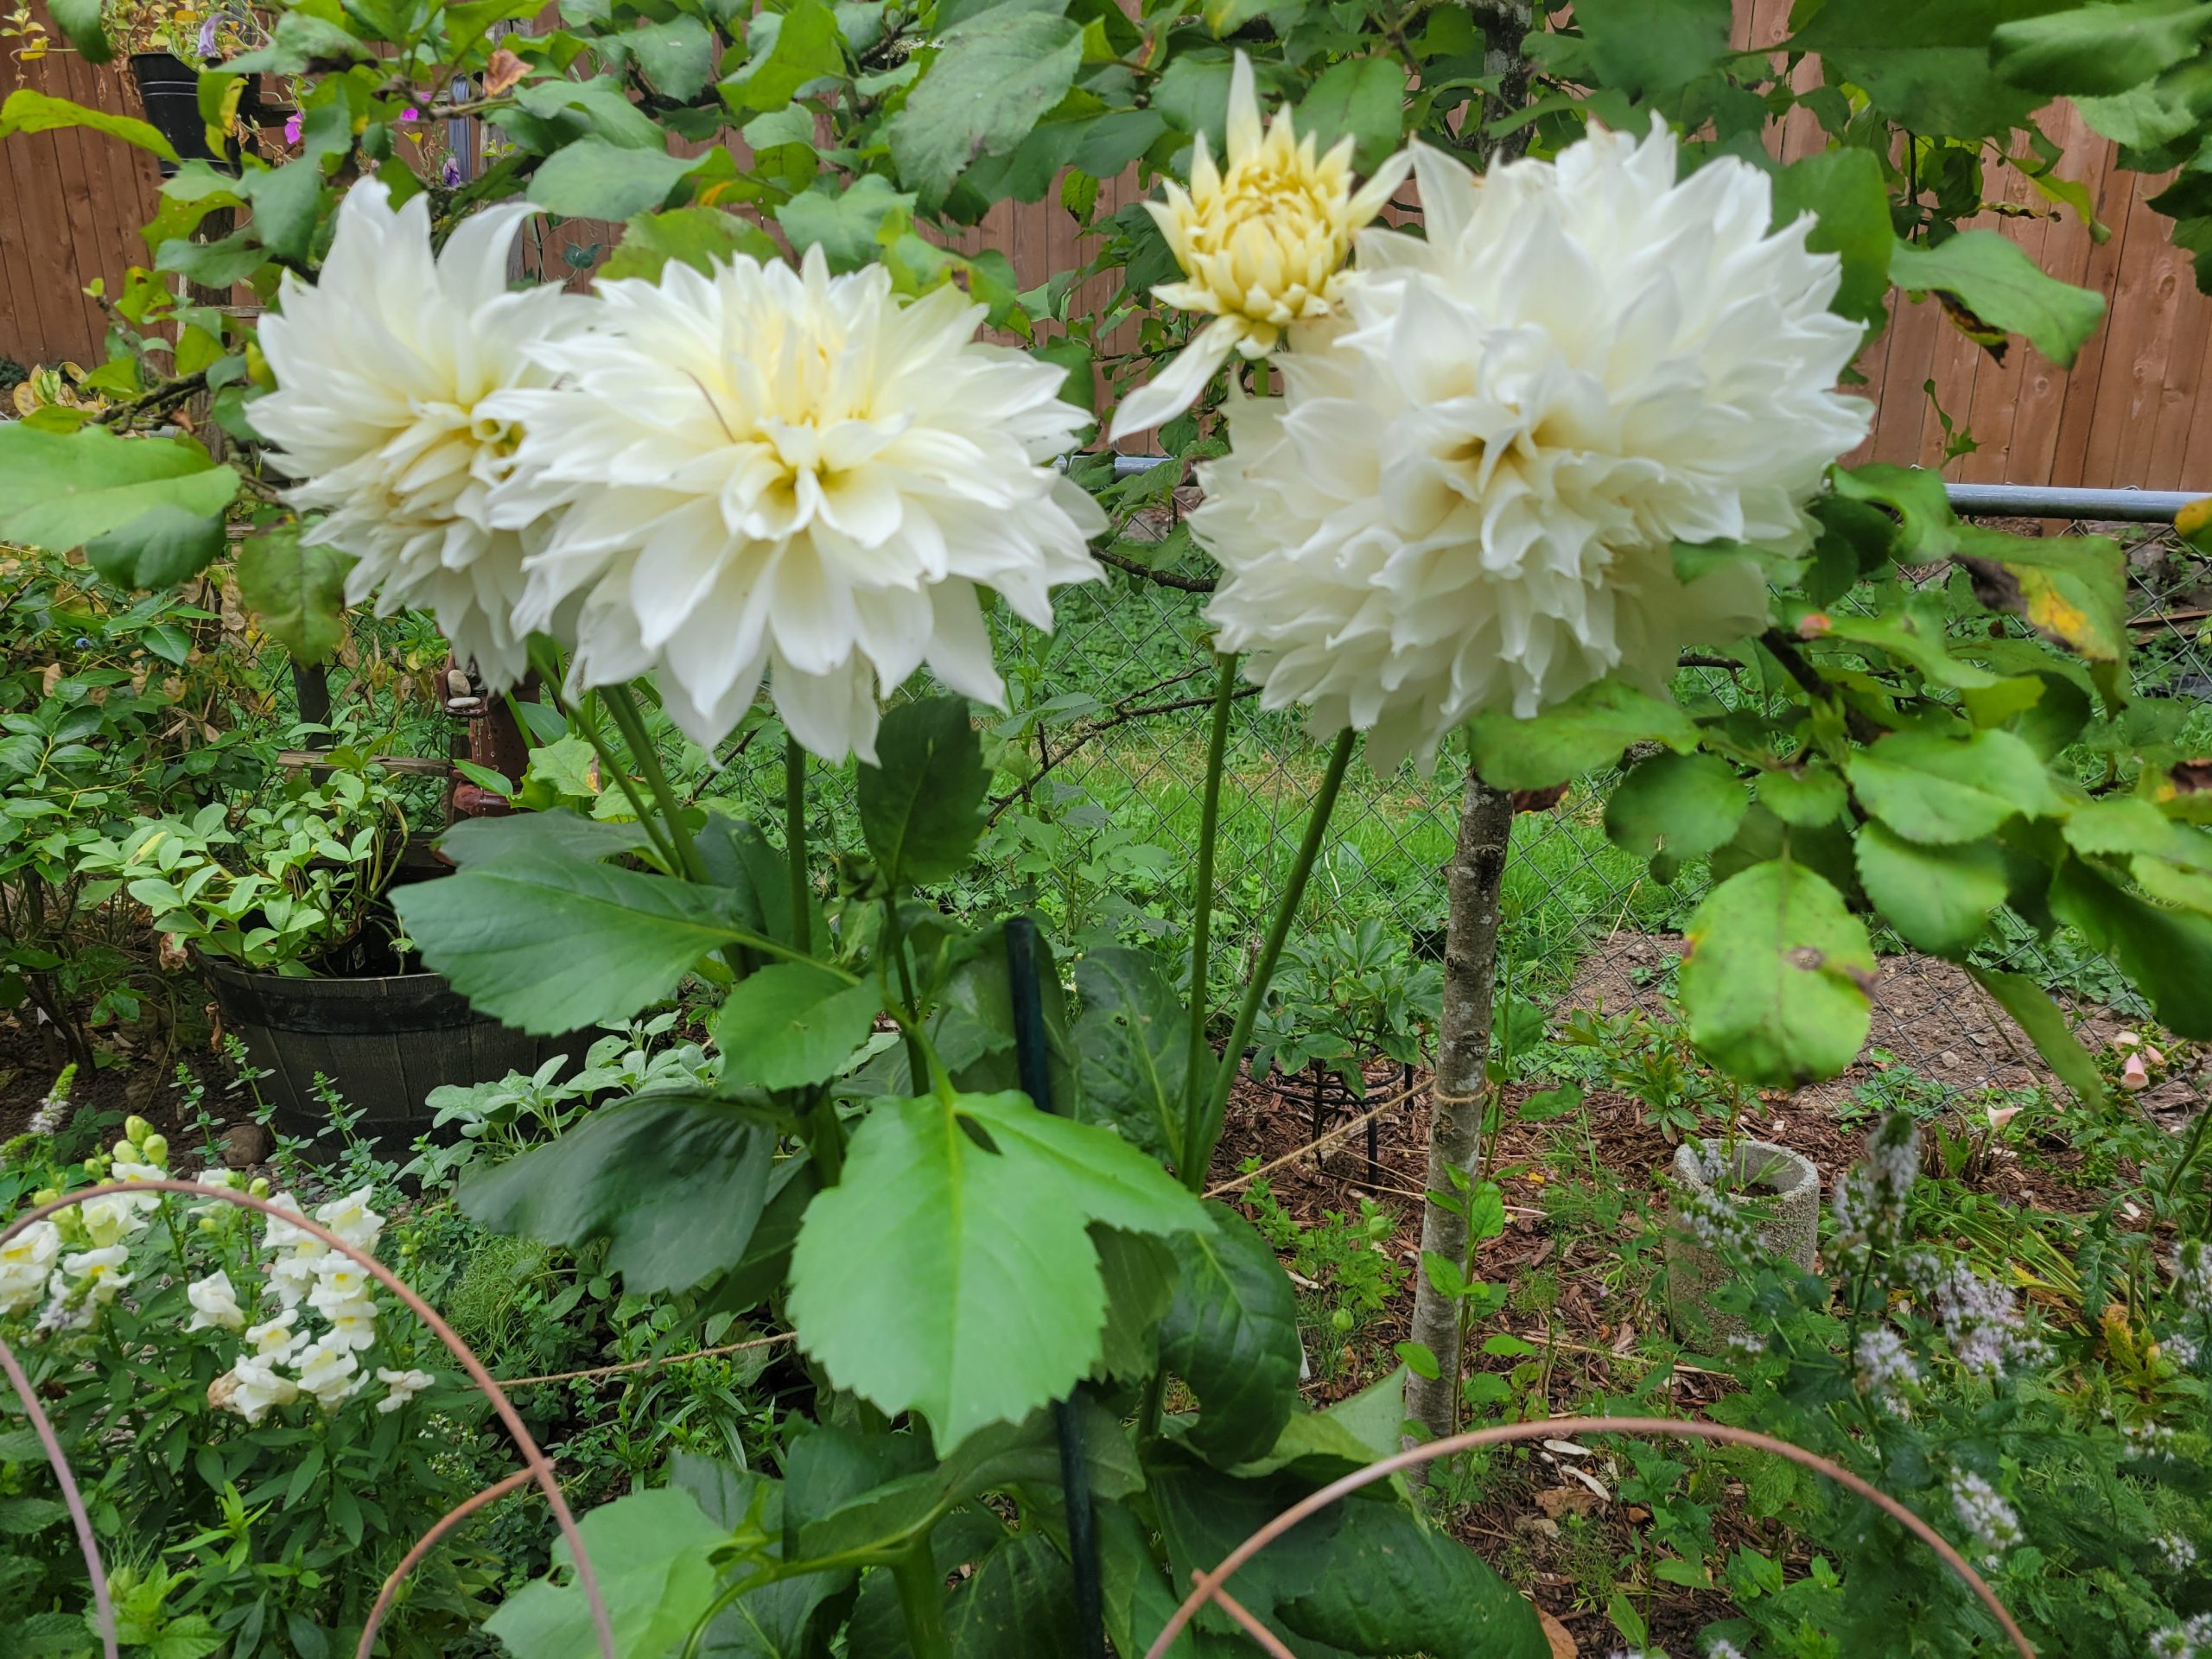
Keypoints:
(1477, 874)
(1463, 1031)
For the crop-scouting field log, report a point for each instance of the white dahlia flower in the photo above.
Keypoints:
(382, 367)
(764, 471)
(1467, 497)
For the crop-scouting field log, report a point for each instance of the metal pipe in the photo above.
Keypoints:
(1974, 500)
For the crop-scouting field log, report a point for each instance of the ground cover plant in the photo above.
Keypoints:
(950, 1275)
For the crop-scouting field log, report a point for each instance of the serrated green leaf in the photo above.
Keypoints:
(550, 945)
(1807, 798)
(1362, 99)
(1394, 1585)
(972, 1329)
(844, 224)
(297, 590)
(1939, 898)
(649, 1553)
(987, 89)
(1994, 278)
(2098, 50)
(2071, 589)
(1133, 1047)
(1643, 47)
(595, 178)
(1926, 66)
(921, 804)
(788, 50)
(674, 1183)
(1843, 189)
(1588, 730)
(159, 549)
(1231, 1333)
(1775, 985)
(1939, 790)
(1683, 805)
(790, 1024)
(678, 56)
(2167, 953)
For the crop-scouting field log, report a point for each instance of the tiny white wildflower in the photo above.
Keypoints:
(1987, 1518)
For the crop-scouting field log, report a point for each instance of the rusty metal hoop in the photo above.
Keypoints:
(1208, 1586)
(536, 1465)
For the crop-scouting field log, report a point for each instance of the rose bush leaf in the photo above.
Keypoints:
(1775, 986)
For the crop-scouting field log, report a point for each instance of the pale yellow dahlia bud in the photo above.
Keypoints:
(1262, 242)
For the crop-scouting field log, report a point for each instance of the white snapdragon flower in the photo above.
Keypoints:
(251, 1388)
(274, 1341)
(127, 1170)
(114, 1217)
(352, 1219)
(328, 1370)
(214, 1304)
(769, 472)
(1466, 499)
(383, 368)
(93, 1276)
(25, 1261)
(401, 1387)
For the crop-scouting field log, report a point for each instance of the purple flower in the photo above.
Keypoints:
(452, 173)
(208, 39)
(292, 127)
(410, 114)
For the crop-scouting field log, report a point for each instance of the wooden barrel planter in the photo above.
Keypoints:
(385, 1042)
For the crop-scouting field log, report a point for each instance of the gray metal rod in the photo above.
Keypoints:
(1976, 500)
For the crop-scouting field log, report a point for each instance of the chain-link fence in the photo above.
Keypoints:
(1108, 731)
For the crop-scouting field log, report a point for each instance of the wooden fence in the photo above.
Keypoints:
(70, 204)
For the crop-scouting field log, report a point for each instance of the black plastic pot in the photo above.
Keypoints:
(386, 1043)
(169, 87)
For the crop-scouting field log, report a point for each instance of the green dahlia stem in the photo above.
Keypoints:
(1192, 1154)
(632, 724)
(795, 840)
(608, 763)
(921, 1599)
(1225, 1077)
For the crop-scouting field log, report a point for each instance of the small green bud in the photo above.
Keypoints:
(157, 1148)
(124, 1152)
(44, 1195)
(93, 1164)
(134, 1130)
(1378, 1227)
(259, 1188)
(1341, 1318)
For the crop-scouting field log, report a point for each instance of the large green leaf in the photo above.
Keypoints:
(949, 1271)
(921, 803)
(1643, 47)
(2034, 1012)
(678, 56)
(1994, 277)
(772, 1621)
(296, 589)
(2071, 589)
(1363, 98)
(30, 112)
(843, 223)
(549, 946)
(1678, 805)
(1775, 985)
(1936, 789)
(694, 236)
(2167, 953)
(792, 1023)
(60, 490)
(1133, 1047)
(1939, 898)
(1926, 66)
(996, 77)
(1231, 1333)
(1588, 730)
(674, 1183)
(789, 49)
(159, 549)
(557, 833)
(2098, 50)
(596, 178)
(1020, 1600)
(1395, 1585)
(1350, 1435)
(650, 1555)
(1843, 189)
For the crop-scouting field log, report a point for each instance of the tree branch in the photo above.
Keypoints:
(1122, 716)
(1165, 578)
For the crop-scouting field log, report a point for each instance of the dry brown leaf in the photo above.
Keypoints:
(503, 72)
(1566, 1500)
(1564, 1645)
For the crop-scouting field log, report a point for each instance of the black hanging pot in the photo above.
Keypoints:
(169, 87)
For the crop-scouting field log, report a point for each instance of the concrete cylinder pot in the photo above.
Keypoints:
(1777, 1190)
